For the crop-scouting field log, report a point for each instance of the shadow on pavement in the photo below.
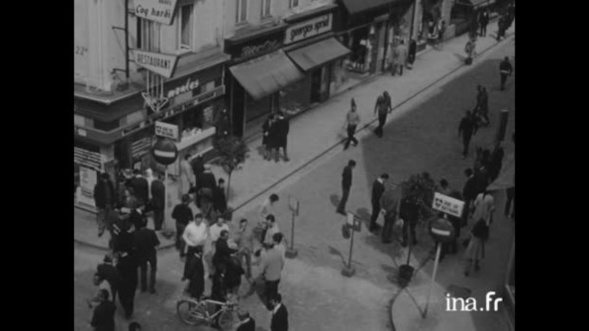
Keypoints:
(335, 199)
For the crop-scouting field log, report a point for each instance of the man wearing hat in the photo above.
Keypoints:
(246, 322)
(182, 214)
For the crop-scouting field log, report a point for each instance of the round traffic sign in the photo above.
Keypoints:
(441, 230)
(165, 151)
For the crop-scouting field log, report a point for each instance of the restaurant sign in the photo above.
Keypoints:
(309, 28)
(161, 64)
(161, 11)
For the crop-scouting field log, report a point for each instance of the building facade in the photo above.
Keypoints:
(139, 77)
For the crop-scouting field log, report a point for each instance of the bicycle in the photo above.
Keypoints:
(193, 312)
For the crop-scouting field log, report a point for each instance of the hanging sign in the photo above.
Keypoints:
(166, 130)
(161, 64)
(161, 11)
(447, 204)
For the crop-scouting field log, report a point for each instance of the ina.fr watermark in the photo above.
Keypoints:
(470, 304)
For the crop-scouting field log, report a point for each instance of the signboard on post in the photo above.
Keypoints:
(448, 204)
(161, 11)
(161, 64)
(166, 130)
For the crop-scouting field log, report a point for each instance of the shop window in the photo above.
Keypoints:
(293, 3)
(241, 11)
(186, 27)
(196, 120)
(266, 7)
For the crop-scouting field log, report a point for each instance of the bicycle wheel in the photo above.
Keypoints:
(226, 320)
(191, 313)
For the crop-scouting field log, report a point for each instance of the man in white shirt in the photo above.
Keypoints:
(267, 207)
(272, 229)
(215, 229)
(195, 233)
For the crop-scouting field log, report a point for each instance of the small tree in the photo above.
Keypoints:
(232, 154)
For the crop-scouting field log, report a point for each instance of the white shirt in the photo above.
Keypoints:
(195, 235)
(215, 231)
(266, 209)
(271, 231)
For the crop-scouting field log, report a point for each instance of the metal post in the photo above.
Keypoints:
(291, 253)
(429, 291)
(167, 225)
(127, 39)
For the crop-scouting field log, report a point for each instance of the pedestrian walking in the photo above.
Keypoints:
(469, 192)
(505, 70)
(245, 243)
(400, 58)
(194, 272)
(104, 199)
(381, 109)
(204, 197)
(389, 203)
(103, 318)
(140, 188)
(182, 214)
(409, 212)
(484, 207)
(470, 50)
(219, 198)
(271, 266)
(352, 121)
(466, 131)
(146, 241)
(266, 138)
(441, 31)
(283, 127)
(474, 250)
(346, 185)
(483, 104)
(246, 322)
(127, 265)
(502, 26)
(274, 137)
(279, 320)
(108, 272)
(198, 165)
(195, 233)
(412, 52)
(158, 201)
(378, 189)
(484, 21)
(187, 179)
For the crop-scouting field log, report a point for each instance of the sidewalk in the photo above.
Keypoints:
(319, 131)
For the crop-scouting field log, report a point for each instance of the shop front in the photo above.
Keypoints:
(368, 28)
(117, 133)
(309, 42)
(259, 71)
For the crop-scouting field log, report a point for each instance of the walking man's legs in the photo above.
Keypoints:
(342, 204)
(351, 129)
(387, 229)
(284, 149)
(143, 273)
(503, 79)
(158, 218)
(381, 122)
(466, 142)
(152, 271)
(374, 216)
(100, 218)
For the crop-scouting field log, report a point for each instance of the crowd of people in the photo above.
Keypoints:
(275, 136)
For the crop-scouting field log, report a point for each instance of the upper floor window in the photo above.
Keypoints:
(186, 26)
(266, 7)
(241, 11)
(293, 3)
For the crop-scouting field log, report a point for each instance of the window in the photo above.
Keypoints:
(241, 11)
(294, 3)
(266, 6)
(186, 27)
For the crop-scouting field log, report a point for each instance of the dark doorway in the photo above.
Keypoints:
(316, 86)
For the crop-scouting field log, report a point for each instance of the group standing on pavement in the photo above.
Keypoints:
(275, 136)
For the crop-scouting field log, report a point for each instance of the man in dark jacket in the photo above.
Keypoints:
(377, 191)
(483, 22)
(505, 70)
(465, 130)
(182, 214)
(140, 187)
(279, 313)
(219, 199)
(198, 165)
(222, 250)
(409, 212)
(346, 185)
(194, 272)
(104, 199)
(206, 182)
(146, 241)
(158, 200)
(103, 318)
(127, 267)
(283, 127)
(108, 271)
(389, 203)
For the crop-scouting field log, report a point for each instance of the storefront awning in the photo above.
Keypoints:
(317, 54)
(356, 6)
(267, 74)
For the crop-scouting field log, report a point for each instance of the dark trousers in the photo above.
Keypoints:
(465, 142)
(271, 288)
(351, 131)
(409, 226)
(382, 118)
(158, 218)
(179, 241)
(503, 80)
(344, 200)
(374, 216)
(152, 261)
(247, 256)
(510, 196)
(387, 230)
(127, 298)
(483, 30)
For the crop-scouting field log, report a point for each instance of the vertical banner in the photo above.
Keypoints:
(87, 183)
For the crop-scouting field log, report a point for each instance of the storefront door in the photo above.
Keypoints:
(316, 86)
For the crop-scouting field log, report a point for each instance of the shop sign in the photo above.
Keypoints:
(87, 183)
(161, 11)
(255, 47)
(447, 204)
(161, 64)
(309, 28)
(166, 130)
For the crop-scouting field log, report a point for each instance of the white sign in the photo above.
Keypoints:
(166, 130)
(306, 29)
(87, 183)
(448, 204)
(161, 64)
(161, 11)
